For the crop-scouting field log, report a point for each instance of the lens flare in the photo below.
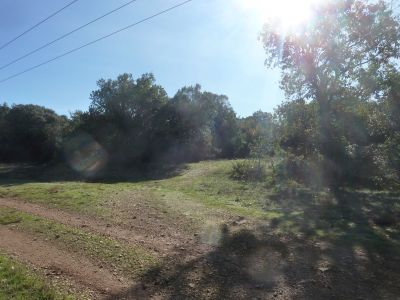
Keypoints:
(85, 155)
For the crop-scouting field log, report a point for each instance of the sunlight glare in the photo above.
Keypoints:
(289, 14)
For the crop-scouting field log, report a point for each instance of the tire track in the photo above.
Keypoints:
(60, 263)
(137, 234)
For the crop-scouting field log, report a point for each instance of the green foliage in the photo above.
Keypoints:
(124, 116)
(306, 170)
(256, 135)
(30, 133)
(207, 125)
(333, 72)
(297, 129)
(248, 170)
(345, 47)
(360, 145)
(392, 148)
(136, 123)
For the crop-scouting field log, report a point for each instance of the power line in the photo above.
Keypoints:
(66, 35)
(97, 40)
(37, 24)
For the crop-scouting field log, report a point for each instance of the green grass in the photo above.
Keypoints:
(209, 183)
(205, 193)
(206, 183)
(17, 282)
(131, 260)
(75, 196)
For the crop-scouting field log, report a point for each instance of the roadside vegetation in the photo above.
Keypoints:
(190, 201)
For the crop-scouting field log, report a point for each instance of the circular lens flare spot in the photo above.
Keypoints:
(85, 155)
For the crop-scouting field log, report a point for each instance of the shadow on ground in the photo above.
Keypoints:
(23, 173)
(344, 246)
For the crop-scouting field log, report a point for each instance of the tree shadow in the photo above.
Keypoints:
(237, 268)
(14, 174)
(334, 249)
(359, 233)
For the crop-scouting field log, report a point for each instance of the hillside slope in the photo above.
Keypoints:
(199, 235)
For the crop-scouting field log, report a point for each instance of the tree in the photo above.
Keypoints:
(31, 133)
(338, 56)
(254, 132)
(123, 117)
(136, 122)
(387, 123)
(297, 127)
(208, 124)
(4, 148)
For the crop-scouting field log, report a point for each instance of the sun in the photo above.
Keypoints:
(289, 14)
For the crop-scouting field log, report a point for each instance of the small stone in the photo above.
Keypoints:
(323, 269)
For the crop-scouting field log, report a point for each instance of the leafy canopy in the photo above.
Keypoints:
(340, 53)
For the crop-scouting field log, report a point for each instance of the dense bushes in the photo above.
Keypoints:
(136, 122)
(132, 120)
(359, 154)
(248, 170)
(30, 133)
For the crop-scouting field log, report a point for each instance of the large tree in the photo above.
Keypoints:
(337, 57)
(208, 123)
(123, 116)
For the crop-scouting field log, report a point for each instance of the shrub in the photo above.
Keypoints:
(303, 170)
(248, 170)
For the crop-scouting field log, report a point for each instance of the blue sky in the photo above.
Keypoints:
(211, 42)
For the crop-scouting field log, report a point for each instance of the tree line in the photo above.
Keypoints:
(135, 122)
(340, 124)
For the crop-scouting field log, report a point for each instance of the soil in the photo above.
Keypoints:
(147, 230)
(244, 263)
(162, 239)
(55, 262)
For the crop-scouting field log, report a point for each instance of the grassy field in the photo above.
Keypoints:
(196, 204)
(17, 282)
